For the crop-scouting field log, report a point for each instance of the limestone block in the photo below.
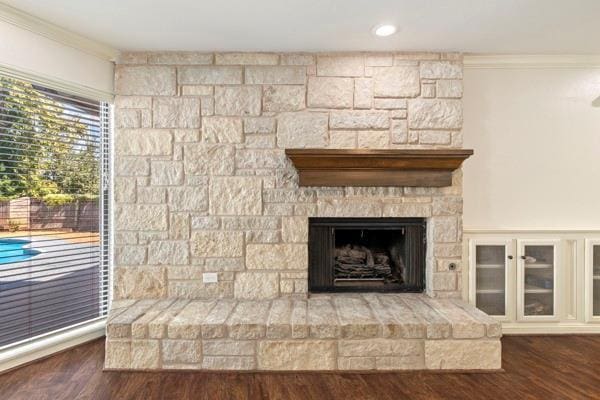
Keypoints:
(141, 217)
(143, 142)
(180, 57)
(322, 319)
(132, 166)
(122, 102)
(166, 173)
(151, 195)
(449, 88)
(435, 114)
(279, 98)
(277, 256)
(132, 57)
(373, 139)
(356, 318)
(214, 323)
(445, 229)
(157, 328)
(176, 112)
(222, 130)
(340, 65)
(235, 196)
(209, 75)
(356, 363)
(441, 70)
(236, 363)
(181, 351)
(255, 285)
(125, 190)
(188, 199)
(463, 354)
(130, 255)
(443, 281)
(447, 205)
(145, 80)
(342, 139)
(408, 353)
(127, 118)
(275, 75)
(139, 327)
(297, 59)
(197, 90)
(296, 355)
(140, 282)
(359, 120)
(145, 354)
(258, 159)
(248, 320)
(379, 60)
(168, 252)
(422, 210)
(179, 226)
(435, 137)
(399, 131)
(118, 354)
(228, 347)
(217, 244)
(187, 323)
(390, 104)
(196, 289)
(302, 129)
(259, 125)
(237, 100)
(330, 207)
(325, 92)
(246, 58)
(294, 229)
(279, 322)
(398, 81)
(363, 93)
(208, 159)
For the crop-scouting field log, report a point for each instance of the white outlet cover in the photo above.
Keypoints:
(210, 277)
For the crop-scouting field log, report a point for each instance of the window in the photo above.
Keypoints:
(54, 199)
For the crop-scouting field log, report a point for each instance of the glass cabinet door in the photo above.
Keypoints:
(538, 262)
(595, 259)
(490, 278)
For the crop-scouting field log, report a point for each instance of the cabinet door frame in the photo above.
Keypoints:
(520, 294)
(589, 280)
(508, 273)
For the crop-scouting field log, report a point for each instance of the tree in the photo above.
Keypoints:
(45, 145)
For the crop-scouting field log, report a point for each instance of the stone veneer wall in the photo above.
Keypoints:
(202, 183)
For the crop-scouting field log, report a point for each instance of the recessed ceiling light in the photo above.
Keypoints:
(384, 30)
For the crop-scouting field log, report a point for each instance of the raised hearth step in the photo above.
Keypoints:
(325, 332)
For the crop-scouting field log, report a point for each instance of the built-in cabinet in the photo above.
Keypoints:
(535, 282)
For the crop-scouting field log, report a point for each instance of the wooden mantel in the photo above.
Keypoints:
(332, 167)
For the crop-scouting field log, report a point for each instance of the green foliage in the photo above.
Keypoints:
(58, 199)
(13, 225)
(52, 153)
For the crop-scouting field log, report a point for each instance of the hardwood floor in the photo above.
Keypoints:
(536, 367)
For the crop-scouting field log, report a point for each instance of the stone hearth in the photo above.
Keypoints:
(325, 332)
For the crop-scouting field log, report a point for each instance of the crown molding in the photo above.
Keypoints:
(499, 61)
(46, 29)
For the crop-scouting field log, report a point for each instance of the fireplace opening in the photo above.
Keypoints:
(366, 254)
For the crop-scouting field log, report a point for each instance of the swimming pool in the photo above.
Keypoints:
(12, 250)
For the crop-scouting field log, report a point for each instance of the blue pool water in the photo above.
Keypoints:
(12, 250)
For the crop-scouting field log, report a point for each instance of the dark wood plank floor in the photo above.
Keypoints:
(536, 367)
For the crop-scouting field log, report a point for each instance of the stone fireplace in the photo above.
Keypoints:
(366, 255)
(212, 225)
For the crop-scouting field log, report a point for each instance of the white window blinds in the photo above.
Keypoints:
(54, 216)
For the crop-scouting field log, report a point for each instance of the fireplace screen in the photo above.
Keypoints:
(366, 254)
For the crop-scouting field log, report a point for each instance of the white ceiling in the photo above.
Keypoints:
(478, 26)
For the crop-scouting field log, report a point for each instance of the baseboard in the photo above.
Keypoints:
(18, 355)
(549, 328)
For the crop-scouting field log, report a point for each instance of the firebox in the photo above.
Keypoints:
(366, 254)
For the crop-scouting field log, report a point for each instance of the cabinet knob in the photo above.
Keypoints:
(523, 257)
(510, 257)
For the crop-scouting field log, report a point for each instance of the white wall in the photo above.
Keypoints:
(536, 138)
(30, 52)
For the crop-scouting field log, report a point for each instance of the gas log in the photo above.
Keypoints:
(360, 262)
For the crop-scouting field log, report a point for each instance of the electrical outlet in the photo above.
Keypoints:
(210, 277)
